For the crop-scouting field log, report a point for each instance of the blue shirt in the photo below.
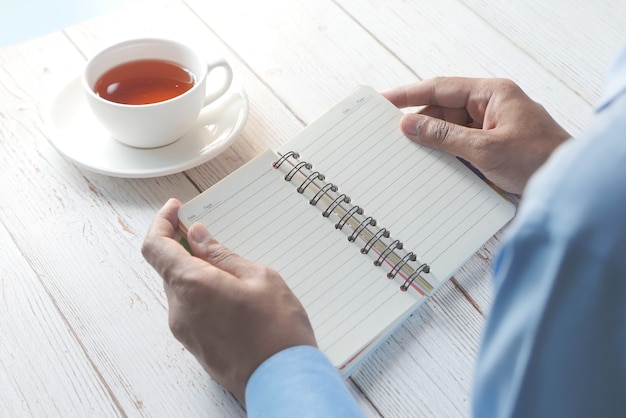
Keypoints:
(555, 341)
(298, 382)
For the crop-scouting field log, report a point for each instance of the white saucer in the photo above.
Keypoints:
(78, 135)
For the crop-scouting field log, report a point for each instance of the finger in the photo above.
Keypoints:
(159, 248)
(165, 221)
(439, 91)
(436, 133)
(457, 116)
(204, 246)
(447, 92)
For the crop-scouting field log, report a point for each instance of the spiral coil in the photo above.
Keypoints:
(385, 250)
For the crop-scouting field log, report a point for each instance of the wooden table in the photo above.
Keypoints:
(83, 319)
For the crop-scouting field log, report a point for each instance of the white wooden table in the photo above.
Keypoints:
(83, 319)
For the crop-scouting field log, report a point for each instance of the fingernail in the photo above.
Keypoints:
(411, 124)
(198, 233)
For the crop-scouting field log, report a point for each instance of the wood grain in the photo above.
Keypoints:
(83, 318)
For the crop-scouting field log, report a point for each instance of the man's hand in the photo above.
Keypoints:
(491, 123)
(230, 313)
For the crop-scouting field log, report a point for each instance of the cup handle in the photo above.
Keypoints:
(228, 79)
(209, 114)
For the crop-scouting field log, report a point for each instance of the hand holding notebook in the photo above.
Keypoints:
(361, 222)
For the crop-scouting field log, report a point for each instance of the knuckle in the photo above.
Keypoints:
(440, 131)
(188, 286)
(153, 254)
(506, 85)
(177, 328)
(505, 82)
(266, 274)
(434, 82)
(146, 249)
(269, 273)
(217, 253)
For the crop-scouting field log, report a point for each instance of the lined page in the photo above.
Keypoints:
(429, 200)
(432, 202)
(259, 215)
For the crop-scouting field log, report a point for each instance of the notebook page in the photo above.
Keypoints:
(432, 202)
(259, 215)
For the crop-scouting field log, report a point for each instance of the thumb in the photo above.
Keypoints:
(198, 236)
(204, 246)
(437, 133)
(201, 243)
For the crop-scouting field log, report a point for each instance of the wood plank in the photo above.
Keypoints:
(298, 24)
(125, 197)
(330, 54)
(576, 40)
(449, 39)
(75, 236)
(82, 233)
(269, 123)
(40, 357)
(426, 368)
(446, 38)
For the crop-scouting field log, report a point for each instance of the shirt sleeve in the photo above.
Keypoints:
(299, 382)
(555, 341)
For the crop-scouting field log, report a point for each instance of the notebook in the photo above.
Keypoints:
(362, 223)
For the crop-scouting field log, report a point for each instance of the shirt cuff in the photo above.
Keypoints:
(299, 381)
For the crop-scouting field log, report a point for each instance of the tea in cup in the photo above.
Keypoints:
(149, 92)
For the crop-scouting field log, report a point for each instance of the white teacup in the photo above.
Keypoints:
(160, 123)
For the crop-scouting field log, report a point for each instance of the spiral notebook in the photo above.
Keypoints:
(362, 223)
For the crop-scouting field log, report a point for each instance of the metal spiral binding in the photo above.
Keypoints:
(284, 158)
(383, 256)
(296, 169)
(369, 221)
(328, 187)
(336, 206)
(341, 198)
(349, 214)
(309, 180)
(424, 268)
(398, 266)
(380, 234)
